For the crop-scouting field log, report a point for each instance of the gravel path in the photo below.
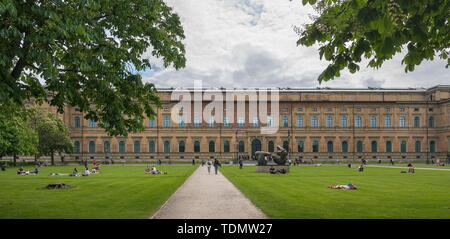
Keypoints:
(208, 196)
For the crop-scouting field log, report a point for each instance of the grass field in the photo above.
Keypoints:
(116, 192)
(382, 192)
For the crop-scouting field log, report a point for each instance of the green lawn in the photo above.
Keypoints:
(382, 192)
(117, 192)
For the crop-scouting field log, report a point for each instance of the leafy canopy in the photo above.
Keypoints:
(349, 30)
(87, 53)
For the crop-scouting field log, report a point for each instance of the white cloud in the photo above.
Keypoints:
(251, 43)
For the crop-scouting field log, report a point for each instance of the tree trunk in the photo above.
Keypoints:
(14, 160)
(53, 158)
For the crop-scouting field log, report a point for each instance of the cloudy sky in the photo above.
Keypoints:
(251, 43)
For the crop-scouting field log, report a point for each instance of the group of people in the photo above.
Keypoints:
(210, 164)
(21, 171)
(153, 170)
(86, 172)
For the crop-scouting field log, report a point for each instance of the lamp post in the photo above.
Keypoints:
(289, 144)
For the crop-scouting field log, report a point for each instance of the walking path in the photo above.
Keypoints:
(208, 196)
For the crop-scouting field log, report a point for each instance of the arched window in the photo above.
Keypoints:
(106, 147)
(373, 122)
(359, 146)
(196, 146)
(91, 147)
(403, 146)
(286, 145)
(402, 122)
(344, 147)
(314, 122)
(92, 123)
(329, 122)
(387, 121)
(212, 146)
(432, 146)
(77, 122)
(167, 146)
(122, 147)
(358, 121)
(301, 146)
(241, 146)
(374, 146)
(271, 146)
(226, 146)
(137, 146)
(418, 146)
(431, 122)
(388, 147)
(151, 146)
(315, 146)
(76, 146)
(330, 146)
(181, 147)
(344, 121)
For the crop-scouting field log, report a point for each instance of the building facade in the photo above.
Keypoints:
(315, 125)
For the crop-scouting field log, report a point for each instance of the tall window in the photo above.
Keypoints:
(285, 121)
(269, 121)
(152, 123)
(403, 146)
(197, 122)
(314, 121)
(241, 122)
(166, 123)
(106, 147)
(226, 122)
(418, 146)
(181, 123)
(255, 122)
(344, 121)
(91, 147)
(301, 146)
(431, 122)
(358, 121)
(374, 146)
(299, 121)
(167, 146)
(359, 146)
(76, 146)
(402, 122)
(271, 146)
(211, 123)
(212, 146)
(387, 121)
(315, 146)
(416, 122)
(330, 146)
(92, 123)
(226, 146)
(181, 147)
(137, 146)
(241, 146)
(432, 146)
(151, 146)
(388, 147)
(344, 147)
(373, 121)
(122, 147)
(329, 122)
(196, 146)
(77, 122)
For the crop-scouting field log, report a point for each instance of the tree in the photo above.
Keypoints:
(16, 138)
(349, 30)
(88, 54)
(53, 134)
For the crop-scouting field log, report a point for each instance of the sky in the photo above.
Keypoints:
(252, 43)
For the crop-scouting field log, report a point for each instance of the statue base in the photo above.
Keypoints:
(266, 168)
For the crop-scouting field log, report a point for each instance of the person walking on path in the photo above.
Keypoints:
(193, 161)
(209, 164)
(216, 165)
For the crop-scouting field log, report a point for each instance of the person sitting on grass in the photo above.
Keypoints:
(75, 173)
(86, 172)
(361, 168)
(35, 171)
(20, 170)
(411, 168)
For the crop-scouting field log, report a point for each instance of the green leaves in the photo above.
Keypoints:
(87, 54)
(347, 31)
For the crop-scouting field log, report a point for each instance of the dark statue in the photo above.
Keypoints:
(279, 156)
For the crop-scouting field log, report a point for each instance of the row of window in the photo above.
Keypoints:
(300, 122)
(241, 146)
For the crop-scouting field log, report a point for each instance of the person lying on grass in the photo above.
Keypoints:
(153, 170)
(58, 174)
(22, 172)
(349, 186)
